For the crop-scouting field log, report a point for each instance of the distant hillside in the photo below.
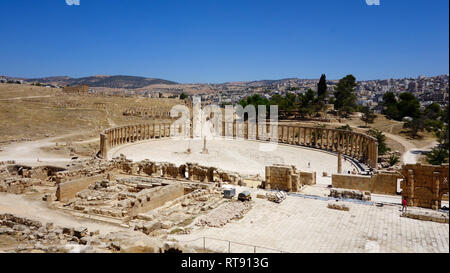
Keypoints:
(127, 82)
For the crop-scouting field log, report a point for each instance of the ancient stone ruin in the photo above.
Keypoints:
(424, 185)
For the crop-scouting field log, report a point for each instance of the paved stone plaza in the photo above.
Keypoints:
(307, 225)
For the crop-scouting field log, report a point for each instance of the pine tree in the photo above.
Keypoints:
(322, 89)
(345, 95)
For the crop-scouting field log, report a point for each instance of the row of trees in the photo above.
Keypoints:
(311, 102)
(404, 108)
(407, 108)
(440, 153)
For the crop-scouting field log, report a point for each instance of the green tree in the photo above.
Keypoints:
(393, 159)
(367, 115)
(415, 125)
(345, 128)
(345, 95)
(183, 96)
(307, 103)
(444, 115)
(409, 106)
(439, 154)
(390, 105)
(433, 111)
(322, 89)
(255, 100)
(381, 138)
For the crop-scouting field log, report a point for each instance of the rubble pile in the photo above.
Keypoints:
(338, 206)
(225, 214)
(178, 213)
(426, 215)
(117, 199)
(350, 194)
(34, 236)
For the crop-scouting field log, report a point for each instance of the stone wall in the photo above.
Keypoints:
(83, 89)
(194, 172)
(308, 178)
(380, 183)
(68, 190)
(424, 185)
(160, 195)
(287, 178)
(356, 145)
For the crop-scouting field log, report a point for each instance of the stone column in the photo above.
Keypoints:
(322, 138)
(410, 191)
(290, 134)
(339, 161)
(346, 143)
(436, 205)
(103, 146)
(289, 183)
(139, 132)
(305, 137)
(267, 183)
(357, 145)
(339, 135)
(301, 135)
(352, 144)
(375, 156)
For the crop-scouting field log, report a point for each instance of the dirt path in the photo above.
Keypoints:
(31, 153)
(31, 97)
(21, 206)
(411, 154)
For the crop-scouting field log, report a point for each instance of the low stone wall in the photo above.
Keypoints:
(287, 178)
(160, 195)
(308, 178)
(381, 183)
(68, 190)
(195, 172)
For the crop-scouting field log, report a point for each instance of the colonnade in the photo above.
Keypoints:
(147, 112)
(356, 145)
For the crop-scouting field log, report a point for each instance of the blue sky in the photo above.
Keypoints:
(224, 40)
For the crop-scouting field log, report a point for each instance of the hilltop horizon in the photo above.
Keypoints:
(97, 80)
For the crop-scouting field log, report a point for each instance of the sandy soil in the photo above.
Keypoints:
(32, 152)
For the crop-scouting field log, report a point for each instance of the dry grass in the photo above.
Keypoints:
(50, 112)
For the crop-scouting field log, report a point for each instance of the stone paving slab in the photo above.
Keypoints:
(305, 225)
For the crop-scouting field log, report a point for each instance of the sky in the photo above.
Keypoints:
(215, 41)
